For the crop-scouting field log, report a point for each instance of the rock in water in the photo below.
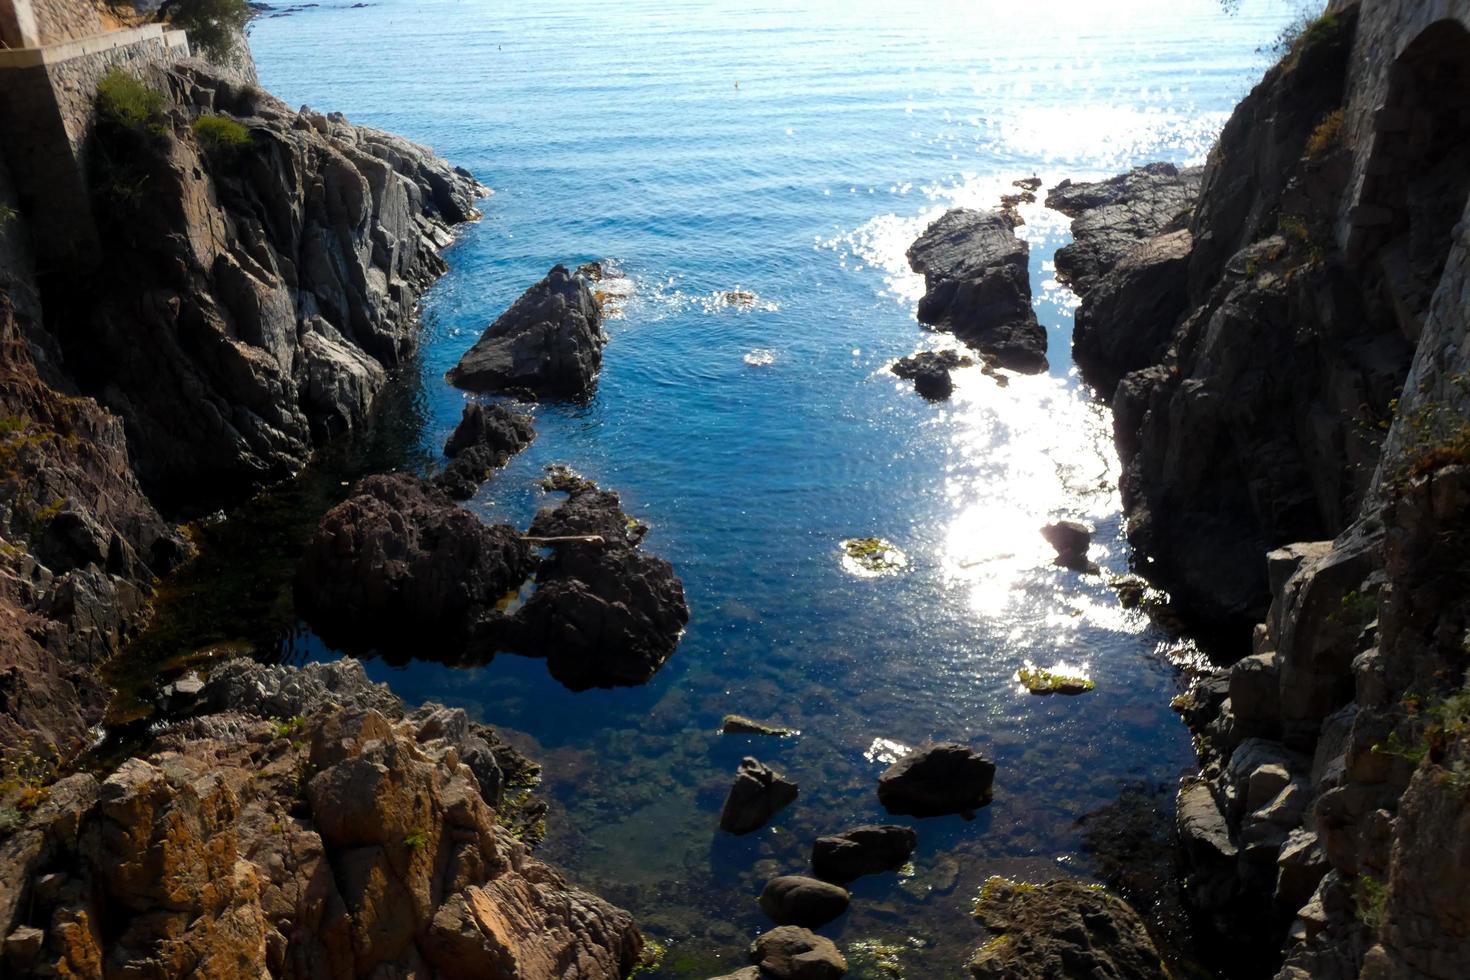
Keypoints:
(1062, 930)
(549, 342)
(941, 779)
(399, 563)
(929, 370)
(486, 437)
(758, 793)
(795, 900)
(1071, 541)
(741, 725)
(794, 953)
(604, 613)
(863, 851)
(978, 286)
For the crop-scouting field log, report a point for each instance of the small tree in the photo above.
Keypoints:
(212, 25)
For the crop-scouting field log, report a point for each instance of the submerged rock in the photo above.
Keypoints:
(794, 953)
(741, 725)
(1055, 680)
(929, 370)
(978, 286)
(399, 564)
(486, 437)
(863, 851)
(795, 900)
(1062, 930)
(605, 613)
(758, 793)
(937, 780)
(549, 342)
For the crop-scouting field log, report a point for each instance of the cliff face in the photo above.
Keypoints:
(1303, 443)
(259, 280)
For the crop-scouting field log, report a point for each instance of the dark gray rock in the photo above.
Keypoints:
(794, 953)
(741, 725)
(398, 564)
(1071, 541)
(549, 342)
(863, 851)
(605, 613)
(978, 287)
(929, 370)
(795, 900)
(486, 437)
(1112, 217)
(758, 793)
(937, 780)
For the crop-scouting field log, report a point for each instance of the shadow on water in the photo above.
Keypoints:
(235, 598)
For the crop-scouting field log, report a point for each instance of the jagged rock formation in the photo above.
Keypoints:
(399, 566)
(351, 840)
(605, 612)
(81, 544)
(253, 293)
(977, 286)
(548, 343)
(930, 371)
(1331, 241)
(1280, 355)
(1062, 930)
(486, 437)
(1130, 274)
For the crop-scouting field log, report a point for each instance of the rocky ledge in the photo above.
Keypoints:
(400, 567)
(314, 828)
(978, 286)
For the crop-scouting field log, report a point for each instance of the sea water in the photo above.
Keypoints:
(793, 151)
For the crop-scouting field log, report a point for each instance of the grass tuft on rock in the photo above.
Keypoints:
(220, 134)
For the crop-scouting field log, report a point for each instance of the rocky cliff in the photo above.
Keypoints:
(310, 828)
(1295, 453)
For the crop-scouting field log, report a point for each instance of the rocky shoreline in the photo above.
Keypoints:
(1281, 334)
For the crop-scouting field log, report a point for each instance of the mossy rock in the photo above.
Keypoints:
(872, 556)
(1057, 680)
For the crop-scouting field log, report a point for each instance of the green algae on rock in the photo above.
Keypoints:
(741, 725)
(872, 556)
(1059, 679)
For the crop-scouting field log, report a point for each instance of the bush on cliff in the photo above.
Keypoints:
(213, 26)
(128, 102)
(220, 133)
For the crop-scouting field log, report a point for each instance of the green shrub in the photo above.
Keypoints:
(126, 101)
(220, 133)
(212, 25)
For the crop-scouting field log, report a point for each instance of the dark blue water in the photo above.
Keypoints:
(794, 151)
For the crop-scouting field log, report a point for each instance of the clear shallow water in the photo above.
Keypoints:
(795, 151)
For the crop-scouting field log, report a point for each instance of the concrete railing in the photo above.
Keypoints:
(51, 54)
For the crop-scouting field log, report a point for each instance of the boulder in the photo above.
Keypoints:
(794, 953)
(1071, 541)
(863, 851)
(795, 900)
(937, 780)
(978, 286)
(549, 342)
(758, 793)
(397, 563)
(1112, 217)
(486, 437)
(605, 613)
(929, 370)
(1062, 930)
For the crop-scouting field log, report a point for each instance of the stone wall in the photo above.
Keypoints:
(47, 110)
(65, 20)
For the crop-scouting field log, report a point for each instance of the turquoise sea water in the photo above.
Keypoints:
(794, 151)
